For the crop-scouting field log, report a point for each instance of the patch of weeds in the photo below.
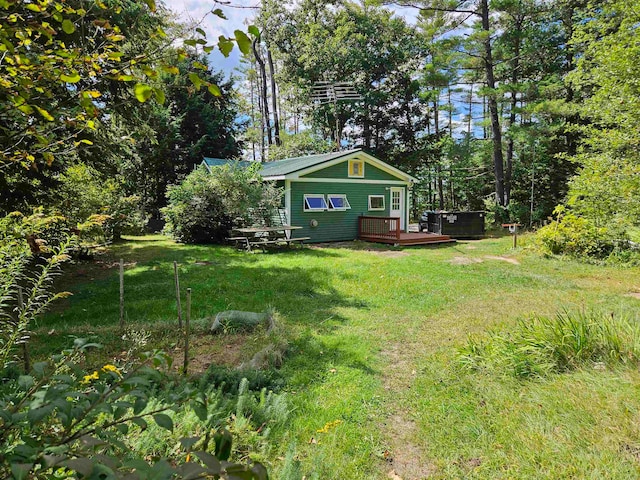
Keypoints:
(255, 416)
(228, 379)
(540, 346)
(250, 415)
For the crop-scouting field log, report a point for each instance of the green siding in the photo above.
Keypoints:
(334, 225)
(341, 170)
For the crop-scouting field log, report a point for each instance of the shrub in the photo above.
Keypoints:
(206, 206)
(541, 345)
(60, 422)
(248, 415)
(577, 236)
(26, 278)
(98, 206)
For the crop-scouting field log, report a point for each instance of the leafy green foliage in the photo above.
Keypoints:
(579, 236)
(56, 55)
(97, 206)
(26, 279)
(364, 45)
(304, 143)
(604, 197)
(59, 420)
(61, 57)
(540, 346)
(228, 379)
(207, 205)
(167, 141)
(58, 417)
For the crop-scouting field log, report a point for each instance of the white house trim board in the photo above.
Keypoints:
(388, 168)
(287, 199)
(348, 180)
(407, 204)
(274, 177)
(402, 205)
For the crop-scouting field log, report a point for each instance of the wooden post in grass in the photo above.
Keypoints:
(177, 284)
(186, 333)
(513, 229)
(25, 347)
(121, 295)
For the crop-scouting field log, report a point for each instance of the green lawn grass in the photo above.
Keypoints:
(374, 335)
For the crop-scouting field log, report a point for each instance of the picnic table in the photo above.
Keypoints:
(263, 236)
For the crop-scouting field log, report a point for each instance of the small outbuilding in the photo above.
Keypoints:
(343, 196)
(325, 194)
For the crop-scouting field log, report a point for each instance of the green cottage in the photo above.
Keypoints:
(325, 194)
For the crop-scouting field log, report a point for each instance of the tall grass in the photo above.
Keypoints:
(539, 346)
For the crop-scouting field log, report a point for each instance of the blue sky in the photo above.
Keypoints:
(197, 11)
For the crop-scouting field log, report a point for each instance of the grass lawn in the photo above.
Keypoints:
(375, 334)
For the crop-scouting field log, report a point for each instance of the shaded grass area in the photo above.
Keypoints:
(347, 307)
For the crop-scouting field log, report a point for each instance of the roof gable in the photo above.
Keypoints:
(340, 170)
(291, 165)
(299, 166)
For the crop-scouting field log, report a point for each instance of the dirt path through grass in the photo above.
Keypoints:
(407, 461)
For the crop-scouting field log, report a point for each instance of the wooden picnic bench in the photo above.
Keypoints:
(264, 236)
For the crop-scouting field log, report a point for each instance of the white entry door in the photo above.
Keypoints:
(396, 206)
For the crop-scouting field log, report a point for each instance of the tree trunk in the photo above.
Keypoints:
(262, 132)
(265, 100)
(274, 99)
(450, 106)
(366, 127)
(470, 111)
(496, 133)
(253, 117)
(515, 67)
(436, 121)
(567, 22)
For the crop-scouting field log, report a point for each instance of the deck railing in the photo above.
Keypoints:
(379, 227)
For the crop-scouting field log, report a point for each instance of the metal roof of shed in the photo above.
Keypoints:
(290, 165)
(217, 162)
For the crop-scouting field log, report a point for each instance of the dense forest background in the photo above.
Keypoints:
(490, 104)
(513, 106)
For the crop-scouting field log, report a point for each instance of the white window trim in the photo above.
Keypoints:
(340, 195)
(314, 195)
(371, 209)
(362, 162)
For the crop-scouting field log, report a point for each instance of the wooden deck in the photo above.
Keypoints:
(409, 238)
(387, 230)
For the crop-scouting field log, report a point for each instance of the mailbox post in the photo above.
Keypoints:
(513, 229)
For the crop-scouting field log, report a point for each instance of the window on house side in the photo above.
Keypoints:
(376, 202)
(356, 168)
(338, 202)
(314, 203)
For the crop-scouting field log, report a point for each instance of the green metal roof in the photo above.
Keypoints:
(290, 165)
(284, 167)
(217, 162)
